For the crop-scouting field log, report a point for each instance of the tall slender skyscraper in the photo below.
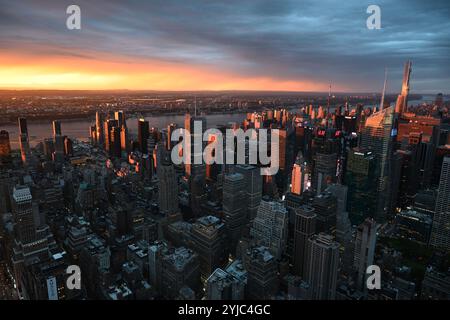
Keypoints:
(56, 128)
(58, 141)
(366, 239)
(440, 234)
(100, 138)
(305, 227)
(143, 134)
(109, 125)
(402, 99)
(377, 136)
(234, 207)
(167, 188)
(24, 141)
(322, 266)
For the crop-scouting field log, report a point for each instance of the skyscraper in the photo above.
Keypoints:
(300, 176)
(305, 227)
(262, 273)
(362, 191)
(143, 134)
(124, 142)
(377, 136)
(108, 128)
(321, 268)
(228, 284)
(180, 268)
(115, 144)
(366, 238)
(196, 149)
(253, 182)
(5, 147)
(167, 188)
(234, 205)
(120, 117)
(170, 129)
(209, 239)
(58, 141)
(24, 141)
(56, 124)
(270, 227)
(33, 238)
(100, 137)
(402, 100)
(440, 234)
(343, 225)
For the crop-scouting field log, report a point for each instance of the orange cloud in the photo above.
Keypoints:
(112, 72)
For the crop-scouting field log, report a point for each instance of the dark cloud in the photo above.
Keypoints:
(324, 41)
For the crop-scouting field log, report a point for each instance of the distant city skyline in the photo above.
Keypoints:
(256, 45)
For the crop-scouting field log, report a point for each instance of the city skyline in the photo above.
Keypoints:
(184, 152)
(260, 45)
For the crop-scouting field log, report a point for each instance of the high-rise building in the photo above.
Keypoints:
(23, 128)
(402, 100)
(170, 129)
(119, 116)
(108, 128)
(143, 135)
(209, 240)
(156, 252)
(5, 147)
(300, 176)
(228, 284)
(262, 281)
(325, 207)
(197, 144)
(24, 141)
(305, 227)
(440, 234)
(377, 136)
(180, 268)
(343, 224)
(56, 125)
(33, 239)
(325, 168)
(100, 134)
(68, 146)
(124, 142)
(322, 261)
(253, 182)
(270, 227)
(366, 238)
(234, 205)
(167, 189)
(115, 145)
(362, 191)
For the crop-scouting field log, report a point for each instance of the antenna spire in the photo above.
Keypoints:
(384, 90)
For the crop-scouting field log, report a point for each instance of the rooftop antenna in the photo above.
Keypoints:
(384, 90)
(328, 104)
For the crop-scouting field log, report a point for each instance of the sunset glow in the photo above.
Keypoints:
(55, 72)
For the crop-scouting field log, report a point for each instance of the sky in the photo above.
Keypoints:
(273, 45)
